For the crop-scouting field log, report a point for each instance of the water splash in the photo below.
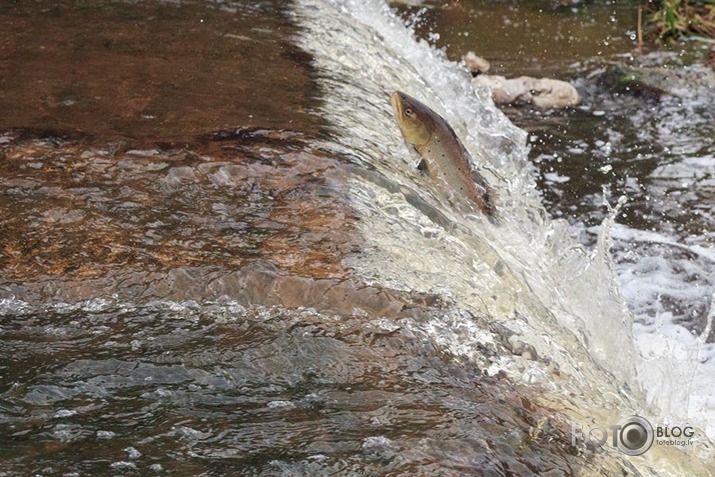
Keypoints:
(487, 268)
(526, 273)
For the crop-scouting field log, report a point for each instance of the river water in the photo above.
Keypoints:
(230, 264)
(657, 153)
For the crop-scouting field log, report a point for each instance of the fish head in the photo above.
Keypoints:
(413, 117)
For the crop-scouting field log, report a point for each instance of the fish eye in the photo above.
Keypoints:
(409, 112)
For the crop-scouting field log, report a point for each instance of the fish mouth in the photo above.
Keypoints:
(396, 101)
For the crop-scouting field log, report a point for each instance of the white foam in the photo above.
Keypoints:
(527, 268)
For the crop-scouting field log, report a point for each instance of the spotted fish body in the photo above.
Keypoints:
(443, 154)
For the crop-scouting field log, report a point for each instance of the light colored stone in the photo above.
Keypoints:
(544, 93)
(476, 64)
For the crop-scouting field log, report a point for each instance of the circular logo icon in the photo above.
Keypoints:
(635, 435)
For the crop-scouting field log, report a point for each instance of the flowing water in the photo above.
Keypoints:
(293, 297)
(656, 152)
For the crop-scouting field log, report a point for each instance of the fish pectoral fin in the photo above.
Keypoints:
(422, 167)
(421, 162)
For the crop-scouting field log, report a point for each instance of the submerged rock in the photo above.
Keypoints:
(84, 211)
(646, 83)
(544, 93)
(656, 82)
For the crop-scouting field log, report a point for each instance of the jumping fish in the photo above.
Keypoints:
(443, 154)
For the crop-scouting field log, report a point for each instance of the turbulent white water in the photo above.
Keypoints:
(525, 272)
(665, 263)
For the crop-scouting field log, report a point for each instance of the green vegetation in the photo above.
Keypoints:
(672, 19)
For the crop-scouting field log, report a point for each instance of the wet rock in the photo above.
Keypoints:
(83, 210)
(476, 64)
(652, 83)
(632, 81)
(544, 93)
